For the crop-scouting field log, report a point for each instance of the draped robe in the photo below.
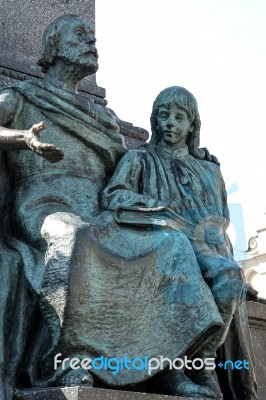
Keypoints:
(153, 176)
(102, 289)
(90, 139)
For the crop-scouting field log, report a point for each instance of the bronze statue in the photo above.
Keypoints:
(89, 279)
(170, 178)
(35, 188)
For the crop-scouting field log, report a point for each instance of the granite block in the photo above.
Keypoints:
(86, 393)
(22, 24)
(257, 323)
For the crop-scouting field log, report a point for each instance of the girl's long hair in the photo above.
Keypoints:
(186, 102)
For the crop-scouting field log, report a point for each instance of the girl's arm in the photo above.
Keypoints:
(123, 188)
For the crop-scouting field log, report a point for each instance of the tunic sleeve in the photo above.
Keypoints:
(123, 189)
(9, 105)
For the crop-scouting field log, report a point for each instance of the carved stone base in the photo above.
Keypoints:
(86, 393)
(257, 323)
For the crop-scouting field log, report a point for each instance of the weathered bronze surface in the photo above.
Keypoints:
(80, 275)
(33, 188)
(172, 176)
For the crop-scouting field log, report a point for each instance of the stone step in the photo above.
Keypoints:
(87, 393)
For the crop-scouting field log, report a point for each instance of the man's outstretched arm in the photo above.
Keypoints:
(12, 139)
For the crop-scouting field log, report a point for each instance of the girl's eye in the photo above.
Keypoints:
(163, 116)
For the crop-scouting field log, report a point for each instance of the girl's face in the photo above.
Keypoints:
(173, 125)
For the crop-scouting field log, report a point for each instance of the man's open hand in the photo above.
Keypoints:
(46, 150)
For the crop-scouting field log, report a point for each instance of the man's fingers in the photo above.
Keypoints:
(50, 152)
(37, 128)
(215, 160)
(46, 150)
(52, 156)
(44, 146)
(38, 146)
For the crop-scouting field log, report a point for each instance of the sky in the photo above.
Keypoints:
(217, 50)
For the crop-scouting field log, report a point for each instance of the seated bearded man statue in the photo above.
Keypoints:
(107, 284)
(34, 188)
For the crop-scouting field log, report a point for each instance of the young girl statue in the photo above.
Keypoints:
(172, 174)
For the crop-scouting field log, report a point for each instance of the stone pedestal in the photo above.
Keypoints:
(22, 24)
(257, 323)
(254, 266)
(85, 393)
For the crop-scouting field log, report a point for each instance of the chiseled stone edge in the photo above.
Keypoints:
(86, 393)
(256, 314)
(21, 69)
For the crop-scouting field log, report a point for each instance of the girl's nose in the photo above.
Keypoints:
(170, 121)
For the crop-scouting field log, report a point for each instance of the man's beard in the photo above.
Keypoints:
(79, 68)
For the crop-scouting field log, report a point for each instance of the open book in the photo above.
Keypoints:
(157, 216)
